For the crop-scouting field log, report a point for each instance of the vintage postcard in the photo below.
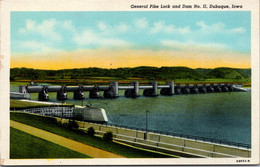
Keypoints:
(129, 82)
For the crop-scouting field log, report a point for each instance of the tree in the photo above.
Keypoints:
(91, 131)
(108, 137)
(73, 124)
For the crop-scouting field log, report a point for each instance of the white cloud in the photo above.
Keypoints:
(114, 42)
(218, 27)
(211, 28)
(102, 26)
(141, 23)
(88, 37)
(194, 46)
(238, 30)
(122, 27)
(112, 29)
(34, 46)
(160, 26)
(184, 30)
(45, 29)
(157, 27)
(30, 24)
(67, 24)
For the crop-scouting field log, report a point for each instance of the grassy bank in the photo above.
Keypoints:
(25, 146)
(17, 104)
(51, 125)
(22, 104)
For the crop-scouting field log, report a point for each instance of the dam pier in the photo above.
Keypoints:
(132, 90)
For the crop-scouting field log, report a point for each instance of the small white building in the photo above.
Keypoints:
(91, 114)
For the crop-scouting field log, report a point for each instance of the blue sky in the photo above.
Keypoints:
(199, 32)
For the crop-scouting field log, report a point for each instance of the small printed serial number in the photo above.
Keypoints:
(242, 160)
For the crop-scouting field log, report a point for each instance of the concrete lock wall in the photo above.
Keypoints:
(199, 145)
(172, 140)
(140, 134)
(125, 138)
(109, 129)
(153, 137)
(198, 152)
(80, 123)
(146, 142)
(232, 151)
(170, 146)
(96, 127)
(86, 126)
(168, 142)
(126, 132)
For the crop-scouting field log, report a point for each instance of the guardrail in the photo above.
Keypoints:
(196, 138)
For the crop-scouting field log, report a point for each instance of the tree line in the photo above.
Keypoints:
(151, 73)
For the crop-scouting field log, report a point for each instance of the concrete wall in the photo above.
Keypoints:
(109, 129)
(126, 132)
(176, 143)
(153, 137)
(183, 145)
(81, 124)
(170, 146)
(140, 134)
(172, 140)
(95, 126)
(232, 151)
(199, 145)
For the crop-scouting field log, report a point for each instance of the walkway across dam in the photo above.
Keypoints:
(132, 90)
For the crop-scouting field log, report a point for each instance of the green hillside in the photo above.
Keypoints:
(227, 73)
(203, 71)
(180, 73)
(245, 72)
(142, 73)
(139, 72)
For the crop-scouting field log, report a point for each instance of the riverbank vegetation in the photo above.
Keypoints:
(51, 125)
(21, 147)
(142, 74)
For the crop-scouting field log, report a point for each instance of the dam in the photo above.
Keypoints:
(131, 90)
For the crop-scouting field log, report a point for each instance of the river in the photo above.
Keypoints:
(224, 116)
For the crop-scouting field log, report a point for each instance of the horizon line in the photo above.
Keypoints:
(130, 67)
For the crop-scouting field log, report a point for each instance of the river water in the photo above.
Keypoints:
(223, 116)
